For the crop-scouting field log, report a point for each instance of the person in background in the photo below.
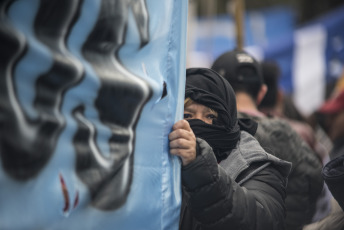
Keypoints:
(276, 104)
(333, 174)
(275, 135)
(333, 122)
(228, 180)
(332, 112)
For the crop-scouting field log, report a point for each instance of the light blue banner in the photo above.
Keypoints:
(89, 92)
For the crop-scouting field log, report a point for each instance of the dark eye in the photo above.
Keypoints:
(187, 116)
(211, 116)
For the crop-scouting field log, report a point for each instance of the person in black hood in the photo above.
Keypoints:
(228, 180)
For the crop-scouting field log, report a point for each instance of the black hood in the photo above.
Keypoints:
(208, 88)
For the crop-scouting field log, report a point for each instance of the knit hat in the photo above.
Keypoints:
(238, 67)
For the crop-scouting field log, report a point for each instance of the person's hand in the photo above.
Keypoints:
(183, 142)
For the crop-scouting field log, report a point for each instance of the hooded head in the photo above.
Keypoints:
(208, 88)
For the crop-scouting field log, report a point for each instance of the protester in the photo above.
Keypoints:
(229, 181)
(333, 172)
(276, 136)
(277, 104)
(334, 221)
(333, 112)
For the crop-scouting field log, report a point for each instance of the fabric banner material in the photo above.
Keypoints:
(89, 91)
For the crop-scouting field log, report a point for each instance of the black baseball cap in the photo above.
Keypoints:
(238, 67)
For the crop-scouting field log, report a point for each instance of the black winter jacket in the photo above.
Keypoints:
(245, 191)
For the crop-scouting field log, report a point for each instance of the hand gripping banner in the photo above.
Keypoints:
(89, 91)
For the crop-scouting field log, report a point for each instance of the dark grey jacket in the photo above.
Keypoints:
(305, 180)
(245, 191)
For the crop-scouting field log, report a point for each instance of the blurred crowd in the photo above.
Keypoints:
(299, 185)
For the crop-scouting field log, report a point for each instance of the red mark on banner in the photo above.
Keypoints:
(76, 200)
(65, 194)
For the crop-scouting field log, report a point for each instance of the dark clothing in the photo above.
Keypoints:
(245, 191)
(338, 148)
(305, 182)
(333, 174)
(208, 88)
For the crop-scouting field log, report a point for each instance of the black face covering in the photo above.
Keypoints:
(208, 88)
(221, 140)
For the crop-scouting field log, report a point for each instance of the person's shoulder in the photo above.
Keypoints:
(276, 128)
(248, 145)
(267, 123)
(277, 137)
(274, 123)
(251, 152)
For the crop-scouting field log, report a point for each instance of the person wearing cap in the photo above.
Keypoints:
(275, 135)
(228, 180)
